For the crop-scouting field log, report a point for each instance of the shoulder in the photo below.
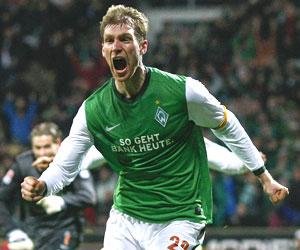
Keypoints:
(102, 95)
(158, 74)
(22, 165)
(25, 157)
(196, 89)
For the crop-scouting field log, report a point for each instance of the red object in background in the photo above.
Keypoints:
(4, 245)
(91, 71)
(90, 215)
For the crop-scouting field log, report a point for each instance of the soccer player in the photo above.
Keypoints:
(55, 221)
(147, 124)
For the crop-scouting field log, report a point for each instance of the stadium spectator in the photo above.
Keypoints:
(20, 114)
(225, 195)
(92, 69)
(250, 204)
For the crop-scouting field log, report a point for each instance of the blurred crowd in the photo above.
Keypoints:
(249, 58)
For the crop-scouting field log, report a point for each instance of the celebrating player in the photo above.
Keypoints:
(147, 124)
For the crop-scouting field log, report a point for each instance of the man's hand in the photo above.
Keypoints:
(42, 163)
(32, 189)
(279, 195)
(272, 188)
(19, 240)
(52, 204)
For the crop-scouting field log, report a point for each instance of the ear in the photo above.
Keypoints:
(144, 47)
(58, 141)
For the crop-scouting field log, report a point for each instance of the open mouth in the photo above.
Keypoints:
(119, 63)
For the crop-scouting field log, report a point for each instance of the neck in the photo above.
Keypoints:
(131, 87)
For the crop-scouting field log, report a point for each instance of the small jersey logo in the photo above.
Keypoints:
(161, 116)
(108, 129)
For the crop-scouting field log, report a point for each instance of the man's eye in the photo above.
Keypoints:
(126, 39)
(108, 41)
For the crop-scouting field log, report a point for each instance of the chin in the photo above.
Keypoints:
(122, 78)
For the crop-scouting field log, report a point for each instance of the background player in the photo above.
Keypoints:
(54, 222)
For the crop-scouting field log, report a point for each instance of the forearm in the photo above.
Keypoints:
(265, 177)
(64, 168)
(235, 137)
(222, 160)
(266, 181)
(65, 165)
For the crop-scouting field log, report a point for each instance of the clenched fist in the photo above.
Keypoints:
(279, 195)
(272, 188)
(32, 189)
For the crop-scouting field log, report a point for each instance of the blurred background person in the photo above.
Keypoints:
(54, 222)
(105, 185)
(289, 212)
(20, 113)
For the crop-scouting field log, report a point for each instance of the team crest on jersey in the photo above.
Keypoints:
(161, 116)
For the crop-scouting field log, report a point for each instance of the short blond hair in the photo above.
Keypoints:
(120, 14)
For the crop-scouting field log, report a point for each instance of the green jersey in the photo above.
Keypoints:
(155, 147)
(155, 144)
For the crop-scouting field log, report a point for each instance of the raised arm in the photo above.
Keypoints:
(81, 195)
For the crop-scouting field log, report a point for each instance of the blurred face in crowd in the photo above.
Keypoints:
(20, 103)
(44, 148)
(122, 50)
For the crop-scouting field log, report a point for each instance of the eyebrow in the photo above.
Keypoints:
(119, 35)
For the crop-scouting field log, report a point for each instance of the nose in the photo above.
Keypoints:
(117, 45)
(42, 152)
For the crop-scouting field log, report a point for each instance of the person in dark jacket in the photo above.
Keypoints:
(55, 221)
